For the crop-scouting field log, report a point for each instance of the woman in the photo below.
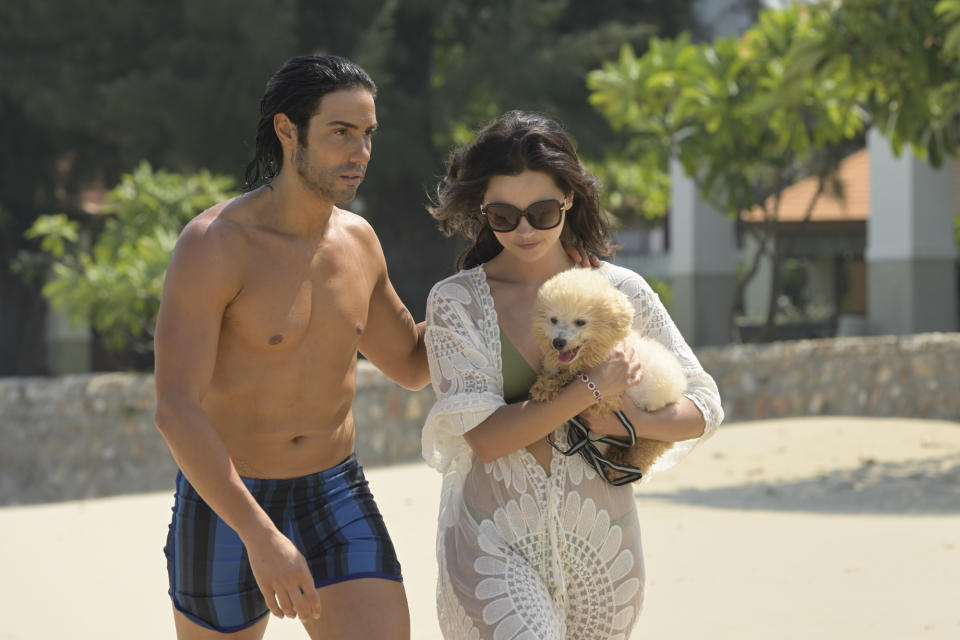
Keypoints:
(533, 544)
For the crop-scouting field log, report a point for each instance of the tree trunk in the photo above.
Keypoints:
(782, 249)
(776, 266)
(742, 283)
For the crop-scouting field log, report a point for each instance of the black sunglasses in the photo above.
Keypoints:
(542, 215)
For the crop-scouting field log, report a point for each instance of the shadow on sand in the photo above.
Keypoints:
(918, 487)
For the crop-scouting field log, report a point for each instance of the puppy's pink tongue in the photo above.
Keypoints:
(566, 356)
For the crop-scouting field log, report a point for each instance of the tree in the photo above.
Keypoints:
(116, 283)
(905, 56)
(445, 68)
(715, 107)
(89, 89)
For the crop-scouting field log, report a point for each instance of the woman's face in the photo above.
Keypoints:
(525, 242)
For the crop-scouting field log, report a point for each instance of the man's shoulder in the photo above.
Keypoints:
(213, 237)
(221, 222)
(205, 263)
(351, 230)
(355, 225)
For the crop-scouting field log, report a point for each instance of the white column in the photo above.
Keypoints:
(702, 263)
(69, 347)
(911, 243)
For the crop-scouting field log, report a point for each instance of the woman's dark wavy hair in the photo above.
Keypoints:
(296, 90)
(514, 142)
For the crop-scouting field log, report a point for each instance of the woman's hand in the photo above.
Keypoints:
(620, 371)
(582, 257)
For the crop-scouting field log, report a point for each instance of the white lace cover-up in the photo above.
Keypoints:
(524, 555)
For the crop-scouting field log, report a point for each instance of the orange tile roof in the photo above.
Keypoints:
(854, 174)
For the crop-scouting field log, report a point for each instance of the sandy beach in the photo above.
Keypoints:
(835, 528)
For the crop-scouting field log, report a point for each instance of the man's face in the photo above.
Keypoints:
(333, 159)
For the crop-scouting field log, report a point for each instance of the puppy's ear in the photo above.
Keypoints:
(538, 326)
(625, 320)
(613, 313)
(622, 311)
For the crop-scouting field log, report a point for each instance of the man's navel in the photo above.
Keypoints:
(275, 339)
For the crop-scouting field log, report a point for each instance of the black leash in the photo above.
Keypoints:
(578, 435)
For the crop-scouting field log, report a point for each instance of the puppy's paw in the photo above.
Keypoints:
(544, 389)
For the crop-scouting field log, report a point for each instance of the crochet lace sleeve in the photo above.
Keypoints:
(651, 319)
(462, 347)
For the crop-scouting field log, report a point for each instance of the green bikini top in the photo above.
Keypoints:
(518, 377)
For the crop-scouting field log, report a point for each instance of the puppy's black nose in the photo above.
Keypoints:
(559, 343)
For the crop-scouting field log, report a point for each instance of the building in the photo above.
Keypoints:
(882, 259)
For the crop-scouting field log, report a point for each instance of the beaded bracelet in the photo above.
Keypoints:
(591, 385)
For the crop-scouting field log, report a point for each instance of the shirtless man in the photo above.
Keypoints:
(267, 300)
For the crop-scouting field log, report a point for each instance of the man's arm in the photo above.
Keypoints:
(392, 340)
(200, 283)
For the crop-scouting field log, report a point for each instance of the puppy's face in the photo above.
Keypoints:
(578, 318)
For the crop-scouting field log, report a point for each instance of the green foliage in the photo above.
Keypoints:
(741, 127)
(529, 54)
(634, 185)
(662, 289)
(446, 68)
(55, 233)
(116, 283)
(174, 82)
(905, 57)
(948, 11)
(5, 218)
(956, 226)
(717, 108)
(90, 88)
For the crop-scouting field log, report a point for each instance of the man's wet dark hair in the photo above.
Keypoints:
(296, 90)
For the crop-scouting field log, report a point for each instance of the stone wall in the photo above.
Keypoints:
(84, 436)
(911, 376)
(92, 435)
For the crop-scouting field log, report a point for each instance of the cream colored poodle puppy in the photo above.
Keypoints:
(579, 316)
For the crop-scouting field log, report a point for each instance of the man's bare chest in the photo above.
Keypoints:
(286, 304)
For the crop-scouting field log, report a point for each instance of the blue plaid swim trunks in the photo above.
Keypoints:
(330, 516)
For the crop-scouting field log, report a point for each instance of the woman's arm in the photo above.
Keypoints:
(677, 421)
(520, 424)
(698, 412)
(653, 320)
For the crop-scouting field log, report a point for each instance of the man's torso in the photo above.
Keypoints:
(284, 376)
